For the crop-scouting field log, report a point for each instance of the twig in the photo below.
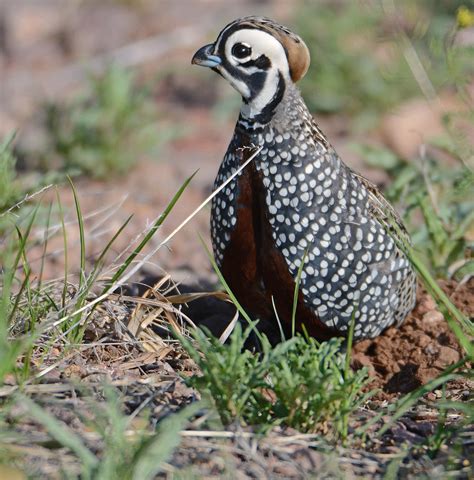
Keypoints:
(27, 198)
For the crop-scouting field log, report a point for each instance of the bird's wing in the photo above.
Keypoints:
(381, 209)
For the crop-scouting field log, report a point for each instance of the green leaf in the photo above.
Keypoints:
(158, 449)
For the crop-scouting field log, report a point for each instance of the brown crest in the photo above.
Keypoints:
(298, 56)
(296, 50)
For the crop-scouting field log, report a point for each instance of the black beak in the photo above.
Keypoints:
(205, 57)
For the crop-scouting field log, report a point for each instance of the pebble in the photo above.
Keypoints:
(433, 316)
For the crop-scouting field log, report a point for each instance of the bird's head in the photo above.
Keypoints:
(258, 57)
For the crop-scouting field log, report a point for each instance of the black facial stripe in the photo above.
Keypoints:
(262, 62)
(266, 114)
(235, 72)
(256, 83)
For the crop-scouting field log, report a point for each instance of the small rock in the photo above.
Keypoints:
(426, 304)
(447, 356)
(423, 340)
(361, 360)
(433, 316)
(431, 349)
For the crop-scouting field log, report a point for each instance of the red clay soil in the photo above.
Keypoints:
(404, 358)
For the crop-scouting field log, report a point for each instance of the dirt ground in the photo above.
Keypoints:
(404, 358)
(123, 349)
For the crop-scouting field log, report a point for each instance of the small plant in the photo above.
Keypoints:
(15, 286)
(313, 390)
(299, 383)
(8, 187)
(104, 132)
(231, 376)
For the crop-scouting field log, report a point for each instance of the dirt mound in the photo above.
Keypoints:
(404, 358)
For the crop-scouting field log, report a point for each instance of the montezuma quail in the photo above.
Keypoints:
(297, 200)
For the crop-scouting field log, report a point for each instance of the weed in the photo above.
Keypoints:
(8, 187)
(299, 383)
(104, 132)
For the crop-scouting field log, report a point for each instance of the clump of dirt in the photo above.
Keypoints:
(404, 358)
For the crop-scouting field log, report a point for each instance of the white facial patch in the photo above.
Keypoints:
(261, 43)
(239, 85)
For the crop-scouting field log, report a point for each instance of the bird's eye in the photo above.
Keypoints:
(240, 50)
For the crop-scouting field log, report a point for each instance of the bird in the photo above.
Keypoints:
(297, 216)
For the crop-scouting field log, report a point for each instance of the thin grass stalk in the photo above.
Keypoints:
(66, 266)
(45, 246)
(296, 293)
(226, 286)
(347, 368)
(82, 238)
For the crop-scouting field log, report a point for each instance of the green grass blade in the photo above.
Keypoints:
(62, 434)
(66, 265)
(45, 246)
(350, 339)
(82, 238)
(241, 310)
(98, 263)
(150, 234)
(158, 449)
(295, 294)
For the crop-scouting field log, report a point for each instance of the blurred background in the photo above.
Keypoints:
(103, 91)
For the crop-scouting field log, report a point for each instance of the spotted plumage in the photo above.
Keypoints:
(297, 201)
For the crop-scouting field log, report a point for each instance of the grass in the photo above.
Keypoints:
(299, 383)
(8, 187)
(39, 318)
(104, 132)
(140, 455)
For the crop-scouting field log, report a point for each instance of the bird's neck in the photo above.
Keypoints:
(290, 118)
(260, 107)
(282, 108)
